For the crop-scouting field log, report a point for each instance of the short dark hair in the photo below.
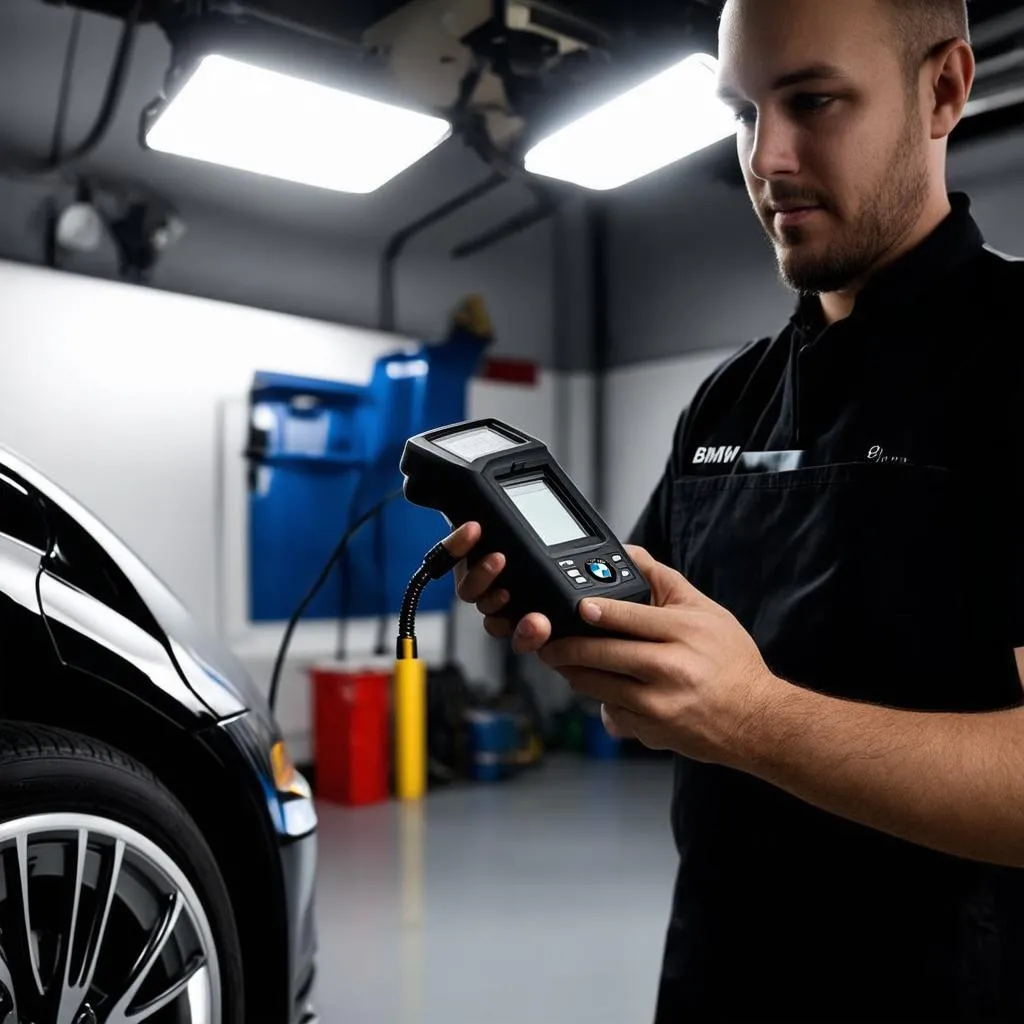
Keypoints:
(922, 25)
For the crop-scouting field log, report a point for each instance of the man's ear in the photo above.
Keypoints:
(951, 71)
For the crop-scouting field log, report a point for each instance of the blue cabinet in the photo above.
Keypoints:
(321, 453)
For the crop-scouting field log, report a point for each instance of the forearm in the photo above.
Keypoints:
(954, 783)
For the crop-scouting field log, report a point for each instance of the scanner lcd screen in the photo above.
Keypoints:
(473, 444)
(543, 510)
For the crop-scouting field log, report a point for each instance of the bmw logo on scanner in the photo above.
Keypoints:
(600, 570)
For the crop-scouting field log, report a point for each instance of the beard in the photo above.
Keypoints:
(883, 223)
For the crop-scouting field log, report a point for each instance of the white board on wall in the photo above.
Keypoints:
(643, 407)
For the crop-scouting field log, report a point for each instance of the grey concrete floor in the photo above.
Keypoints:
(543, 899)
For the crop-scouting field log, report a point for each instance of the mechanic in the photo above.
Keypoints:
(835, 649)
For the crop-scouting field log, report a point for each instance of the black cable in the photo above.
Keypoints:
(345, 589)
(111, 102)
(345, 586)
(275, 678)
(380, 560)
(115, 86)
(61, 120)
(344, 606)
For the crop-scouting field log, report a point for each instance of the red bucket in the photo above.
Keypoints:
(351, 735)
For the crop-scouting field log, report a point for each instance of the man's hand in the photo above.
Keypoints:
(476, 586)
(692, 680)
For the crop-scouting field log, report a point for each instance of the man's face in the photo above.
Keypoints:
(832, 144)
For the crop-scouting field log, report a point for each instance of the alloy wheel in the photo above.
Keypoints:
(98, 925)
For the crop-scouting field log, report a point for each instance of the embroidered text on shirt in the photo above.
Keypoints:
(706, 455)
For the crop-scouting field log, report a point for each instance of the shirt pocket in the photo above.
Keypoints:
(849, 576)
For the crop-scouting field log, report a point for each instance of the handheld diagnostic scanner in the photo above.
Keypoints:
(558, 549)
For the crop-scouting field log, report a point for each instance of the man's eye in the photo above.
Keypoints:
(746, 116)
(808, 102)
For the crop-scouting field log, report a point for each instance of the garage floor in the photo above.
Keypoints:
(540, 899)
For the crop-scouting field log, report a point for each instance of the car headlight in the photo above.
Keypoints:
(286, 776)
(294, 794)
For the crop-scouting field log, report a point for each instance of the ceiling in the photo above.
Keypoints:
(33, 38)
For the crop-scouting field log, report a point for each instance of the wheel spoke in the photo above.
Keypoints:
(94, 943)
(156, 1005)
(158, 940)
(22, 848)
(75, 990)
(70, 998)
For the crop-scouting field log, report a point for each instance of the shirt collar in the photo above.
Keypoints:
(899, 285)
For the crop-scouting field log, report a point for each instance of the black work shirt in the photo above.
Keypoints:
(851, 493)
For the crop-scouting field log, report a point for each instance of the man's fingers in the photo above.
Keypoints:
(460, 542)
(643, 559)
(667, 585)
(642, 621)
(620, 723)
(472, 583)
(619, 657)
(478, 580)
(609, 688)
(532, 633)
(500, 629)
(492, 602)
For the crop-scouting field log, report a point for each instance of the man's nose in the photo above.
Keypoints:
(773, 151)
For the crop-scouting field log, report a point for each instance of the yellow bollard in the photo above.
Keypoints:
(410, 725)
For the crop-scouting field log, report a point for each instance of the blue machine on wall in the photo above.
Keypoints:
(321, 453)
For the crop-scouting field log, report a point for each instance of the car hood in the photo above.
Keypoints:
(208, 666)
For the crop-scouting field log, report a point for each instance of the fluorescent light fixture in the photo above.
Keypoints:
(664, 119)
(253, 119)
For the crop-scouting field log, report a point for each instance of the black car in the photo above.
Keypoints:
(157, 845)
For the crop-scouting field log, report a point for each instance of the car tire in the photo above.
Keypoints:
(93, 837)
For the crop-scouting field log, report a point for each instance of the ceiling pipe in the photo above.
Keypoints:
(398, 242)
(1009, 94)
(999, 65)
(997, 101)
(996, 29)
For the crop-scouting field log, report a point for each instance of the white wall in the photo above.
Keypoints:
(119, 393)
(643, 408)
(575, 428)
